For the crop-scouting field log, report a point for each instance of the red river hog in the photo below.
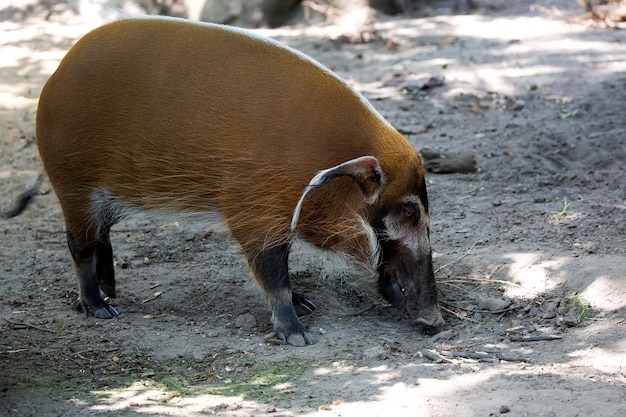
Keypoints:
(181, 118)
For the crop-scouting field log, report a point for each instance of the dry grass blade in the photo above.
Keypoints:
(455, 314)
(456, 260)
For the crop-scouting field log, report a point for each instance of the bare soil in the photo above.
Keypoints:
(530, 250)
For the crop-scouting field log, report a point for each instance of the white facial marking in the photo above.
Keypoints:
(372, 239)
(412, 236)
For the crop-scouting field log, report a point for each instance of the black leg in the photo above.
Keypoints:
(104, 265)
(270, 267)
(84, 263)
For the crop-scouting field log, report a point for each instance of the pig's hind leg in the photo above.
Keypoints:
(92, 260)
(104, 265)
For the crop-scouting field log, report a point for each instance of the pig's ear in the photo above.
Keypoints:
(365, 171)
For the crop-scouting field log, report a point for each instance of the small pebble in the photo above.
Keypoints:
(245, 321)
(376, 352)
(518, 105)
(492, 304)
(445, 335)
(550, 314)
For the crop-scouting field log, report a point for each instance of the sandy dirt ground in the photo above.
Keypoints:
(530, 250)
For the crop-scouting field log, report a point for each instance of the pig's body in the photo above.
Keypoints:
(169, 116)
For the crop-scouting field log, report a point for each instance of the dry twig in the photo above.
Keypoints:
(21, 325)
(535, 338)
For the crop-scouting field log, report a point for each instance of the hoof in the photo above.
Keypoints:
(101, 311)
(297, 339)
(435, 320)
(289, 328)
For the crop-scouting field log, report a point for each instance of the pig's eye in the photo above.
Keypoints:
(410, 212)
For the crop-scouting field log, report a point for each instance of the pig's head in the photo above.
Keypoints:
(405, 273)
(398, 220)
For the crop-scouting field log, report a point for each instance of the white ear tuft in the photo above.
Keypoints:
(365, 171)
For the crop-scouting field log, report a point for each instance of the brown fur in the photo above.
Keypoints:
(223, 121)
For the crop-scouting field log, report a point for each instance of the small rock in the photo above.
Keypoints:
(245, 321)
(198, 356)
(429, 154)
(504, 409)
(445, 335)
(549, 314)
(461, 162)
(569, 321)
(492, 304)
(124, 262)
(590, 247)
(376, 352)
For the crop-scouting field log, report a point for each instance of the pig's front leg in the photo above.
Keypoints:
(270, 268)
